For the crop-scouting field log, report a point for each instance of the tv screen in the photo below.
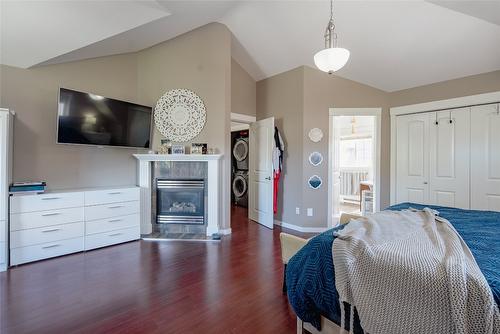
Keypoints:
(85, 118)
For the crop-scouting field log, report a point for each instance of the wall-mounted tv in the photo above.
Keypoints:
(90, 119)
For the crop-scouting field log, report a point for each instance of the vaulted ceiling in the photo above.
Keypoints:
(394, 44)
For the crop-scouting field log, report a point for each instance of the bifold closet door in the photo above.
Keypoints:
(412, 166)
(449, 158)
(485, 158)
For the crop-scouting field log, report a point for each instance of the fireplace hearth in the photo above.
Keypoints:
(180, 201)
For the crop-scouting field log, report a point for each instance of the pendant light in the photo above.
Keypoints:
(331, 58)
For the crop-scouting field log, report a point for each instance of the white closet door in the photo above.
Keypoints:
(449, 158)
(412, 166)
(485, 158)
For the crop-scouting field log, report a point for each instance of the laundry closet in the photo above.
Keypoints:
(240, 164)
(448, 157)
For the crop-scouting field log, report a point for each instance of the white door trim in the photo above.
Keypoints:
(242, 118)
(458, 102)
(377, 112)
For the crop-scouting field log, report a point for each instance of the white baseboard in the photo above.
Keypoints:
(225, 231)
(300, 228)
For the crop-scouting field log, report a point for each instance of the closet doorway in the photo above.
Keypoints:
(354, 161)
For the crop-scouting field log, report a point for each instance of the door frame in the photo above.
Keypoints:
(458, 102)
(377, 113)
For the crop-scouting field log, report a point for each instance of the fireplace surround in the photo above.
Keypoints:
(189, 166)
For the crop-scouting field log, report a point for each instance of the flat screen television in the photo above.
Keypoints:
(90, 119)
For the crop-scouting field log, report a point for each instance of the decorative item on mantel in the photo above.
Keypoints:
(165, 147)
(180, 115)
(199, 148)
(178, 149)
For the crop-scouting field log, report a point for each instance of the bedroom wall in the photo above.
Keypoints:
(321, 92)
(299, 100)
(243, 91)
(32, 93)
(475, 84)
(281, 96)
(199, 60)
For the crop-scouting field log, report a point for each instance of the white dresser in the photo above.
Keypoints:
(6, 127)
(58, 223)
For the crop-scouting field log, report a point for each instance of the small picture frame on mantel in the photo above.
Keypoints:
(178, 149)
(199, 148)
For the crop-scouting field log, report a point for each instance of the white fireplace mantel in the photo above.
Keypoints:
(144, 180)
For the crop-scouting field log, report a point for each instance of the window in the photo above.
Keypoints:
(356, 152)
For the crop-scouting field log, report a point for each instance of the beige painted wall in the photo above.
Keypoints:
(476, 84)
(281, 97)
(296, 115)
(243, 91)
(199, 60)
(32, 93)
(321, 92)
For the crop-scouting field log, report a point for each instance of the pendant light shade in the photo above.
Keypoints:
(332, 59)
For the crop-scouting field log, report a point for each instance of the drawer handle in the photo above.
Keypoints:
(52, 230)
(51, 214)
(115, 207)
(51, 246)
(114, 220)
(50, 198)
(115, 193)
(115, 234)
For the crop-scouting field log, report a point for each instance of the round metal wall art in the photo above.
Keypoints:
(180, 115)
(315, 182)
(315, 158)
(315, 134)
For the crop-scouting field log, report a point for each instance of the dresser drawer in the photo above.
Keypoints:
(111, 224)
(43, 251)
(112, 237)
(97, 197)
(50, 201)
(42, 235)
(111, 210)
(22, 221)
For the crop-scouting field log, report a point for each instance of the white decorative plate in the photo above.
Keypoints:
(315, 158)
(180, 115)
(315, 134)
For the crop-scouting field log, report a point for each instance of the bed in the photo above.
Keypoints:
(310, 276)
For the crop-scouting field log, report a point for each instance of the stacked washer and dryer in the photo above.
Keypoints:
(240, 167)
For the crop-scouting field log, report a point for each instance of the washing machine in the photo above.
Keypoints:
(240, 153)
(240, 188)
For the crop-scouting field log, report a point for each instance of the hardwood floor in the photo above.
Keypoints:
(154, 287)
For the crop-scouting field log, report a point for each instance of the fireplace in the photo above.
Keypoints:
(180, 201)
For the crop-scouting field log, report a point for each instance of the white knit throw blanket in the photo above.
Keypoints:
(411, 272)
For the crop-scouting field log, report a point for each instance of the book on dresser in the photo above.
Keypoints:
(58, 223)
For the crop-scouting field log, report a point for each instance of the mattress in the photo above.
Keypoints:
(310, 276)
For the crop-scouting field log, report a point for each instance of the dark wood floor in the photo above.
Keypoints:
(154, 287)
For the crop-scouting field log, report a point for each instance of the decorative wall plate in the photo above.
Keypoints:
(180, 115)
(315, 134)
(315, 182)
(315, 158)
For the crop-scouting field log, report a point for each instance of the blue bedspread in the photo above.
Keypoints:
(310, 276)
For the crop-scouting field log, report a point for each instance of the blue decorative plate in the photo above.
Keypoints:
(315, 182)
